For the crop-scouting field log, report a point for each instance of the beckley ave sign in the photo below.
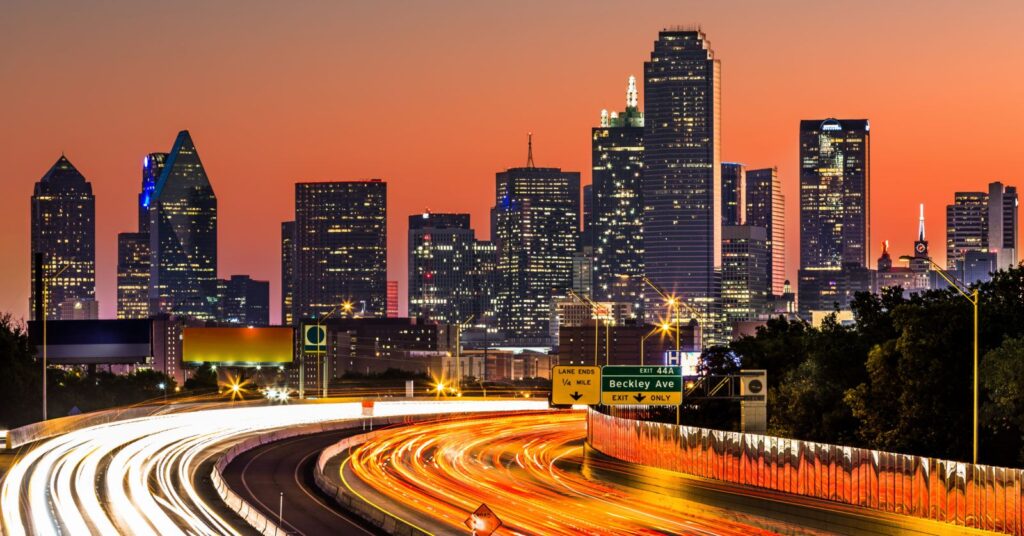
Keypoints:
(632, 385)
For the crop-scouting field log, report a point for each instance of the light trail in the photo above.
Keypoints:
(526, 468)
(136, 476)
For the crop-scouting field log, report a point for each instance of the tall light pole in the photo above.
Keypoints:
(46, 306)
(596, 309)
(458, 353)
(973, 298)
(346, 308)
(663, 328)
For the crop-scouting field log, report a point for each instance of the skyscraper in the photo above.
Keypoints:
(63, 222)
(340, 247)
(766, 207)
(287, 271)
(1002, 224)
(246, 301)
(536, 216)
(744, 271)
(133, 275)
(183, 236)
(835, 179)
(983, 222)
(441, 259)
(587, 236)
(617, 154)
(734, 193)
(133, 255)
(682, 175)
(392, 307)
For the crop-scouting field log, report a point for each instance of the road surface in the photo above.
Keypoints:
(140, 476)
(260, 475)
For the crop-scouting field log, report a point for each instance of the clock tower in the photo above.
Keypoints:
(920, 262)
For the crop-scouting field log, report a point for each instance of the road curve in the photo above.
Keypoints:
(527, 469)
(139, 476)
(260, 475)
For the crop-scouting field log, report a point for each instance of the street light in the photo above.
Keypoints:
(596, 310)
(345, 307)
(163, 387)
(662, 328)
(46, 305)
(973, 298)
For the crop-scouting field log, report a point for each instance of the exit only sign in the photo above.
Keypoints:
(632, 385)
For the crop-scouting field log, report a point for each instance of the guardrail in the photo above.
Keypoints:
(36, 431)
(961, 494)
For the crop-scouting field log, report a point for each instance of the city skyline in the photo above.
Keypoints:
(110, 163)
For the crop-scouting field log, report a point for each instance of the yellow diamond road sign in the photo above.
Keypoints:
(576, 385)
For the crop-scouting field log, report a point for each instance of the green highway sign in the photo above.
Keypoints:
(632, 385)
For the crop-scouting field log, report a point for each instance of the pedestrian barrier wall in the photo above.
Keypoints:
(961, 494)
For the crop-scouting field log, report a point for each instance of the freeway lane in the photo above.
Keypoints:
(527, 469)
(139, 476)
(261, 474)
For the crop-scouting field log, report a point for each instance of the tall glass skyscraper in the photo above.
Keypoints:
(617, 157)
(536, 227)
(133, 255)
(766, 207)
(183, 237)
(835, 189)
(287, 271)
(734, 193)
(441, 262)
(983, 222)
(340, 247)
(682, 176)
(64, 234)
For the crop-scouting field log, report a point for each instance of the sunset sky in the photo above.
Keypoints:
(435, 97)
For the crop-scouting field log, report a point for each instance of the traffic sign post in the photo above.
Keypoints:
(483, 521)
(575, 385)
(623, 385)
(314, 338)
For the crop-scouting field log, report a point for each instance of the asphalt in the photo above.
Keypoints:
(262, 474)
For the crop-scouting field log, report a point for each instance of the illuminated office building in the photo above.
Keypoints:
(536, 219)
(392, 307)
(133, 255)
(441, 265)
(835, 188)
(617, 154)
(682, 174)
(745, 262)
(340, 247)
(287, 271)
(985, 222)
(63, 226)
(183, 237)
(133, 275)
(766, 207)
(734, 193)
(245, 301)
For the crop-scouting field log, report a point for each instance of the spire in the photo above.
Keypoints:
(529, 150)
(631, 93)
(920, 225)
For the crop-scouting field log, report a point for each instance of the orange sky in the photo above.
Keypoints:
(435, 97)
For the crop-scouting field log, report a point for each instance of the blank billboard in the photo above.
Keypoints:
(242, 346)
(90, 342)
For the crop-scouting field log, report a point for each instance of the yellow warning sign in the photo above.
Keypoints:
(575, 385)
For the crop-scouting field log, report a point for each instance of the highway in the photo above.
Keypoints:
(139, 476)
(260, 475)
(527, 469)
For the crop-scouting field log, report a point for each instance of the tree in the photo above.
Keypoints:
(1003, 414)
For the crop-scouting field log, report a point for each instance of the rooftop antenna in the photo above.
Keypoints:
(920, 225)
(529, 150)
(631, 93)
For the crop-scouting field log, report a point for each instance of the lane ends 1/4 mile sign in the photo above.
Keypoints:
(575, 385)
(623, 385)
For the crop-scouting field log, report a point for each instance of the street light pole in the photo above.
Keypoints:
(46, 306)
(974, 299)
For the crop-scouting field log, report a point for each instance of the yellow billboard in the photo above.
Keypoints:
(242, 346)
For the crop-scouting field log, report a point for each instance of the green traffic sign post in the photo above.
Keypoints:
(641, 385)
